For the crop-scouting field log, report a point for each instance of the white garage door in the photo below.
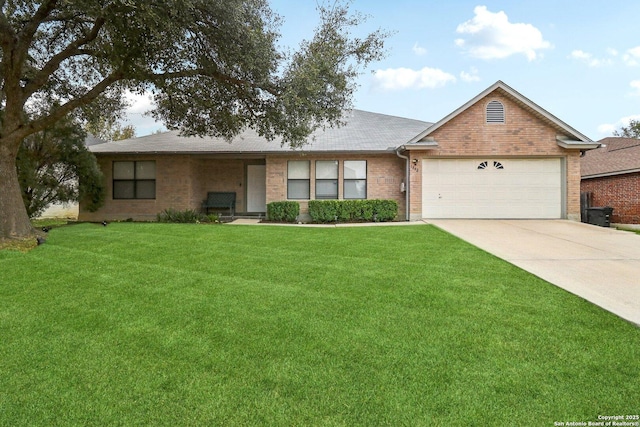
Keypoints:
(492, 188)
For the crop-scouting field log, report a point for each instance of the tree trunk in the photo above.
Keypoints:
(14, 221)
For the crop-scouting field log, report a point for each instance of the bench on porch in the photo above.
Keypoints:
(220, 200)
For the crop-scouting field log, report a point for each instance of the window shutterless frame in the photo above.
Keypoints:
(326, 179)
(298, 180)
(355, 179)
(134, 179)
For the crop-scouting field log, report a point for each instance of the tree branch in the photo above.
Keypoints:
(29, 30)
(221, 77)
(72, 49)
(15, 50)
(7, 34)
(57, 114)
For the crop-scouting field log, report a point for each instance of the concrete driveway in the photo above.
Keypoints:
(601, 265)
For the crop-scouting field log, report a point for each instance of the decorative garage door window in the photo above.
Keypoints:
(485, 165)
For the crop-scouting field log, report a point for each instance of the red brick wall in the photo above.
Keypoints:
(218, 175)
(182, 182)
(621, 192)
(385, 174)
(522, 134)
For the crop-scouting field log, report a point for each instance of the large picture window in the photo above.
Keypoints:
(298, 179)
(355, 179)
(134, 180)
(326, 179)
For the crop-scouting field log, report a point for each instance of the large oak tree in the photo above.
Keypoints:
(214, 67)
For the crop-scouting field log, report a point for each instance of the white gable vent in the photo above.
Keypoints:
(495, 112)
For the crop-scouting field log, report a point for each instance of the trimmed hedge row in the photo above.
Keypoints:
(283, 211)
(186, 216)
(324, 211)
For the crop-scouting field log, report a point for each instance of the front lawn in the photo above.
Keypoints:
(165, 324)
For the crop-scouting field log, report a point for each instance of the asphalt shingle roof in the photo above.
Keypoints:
(620, 155)
(363, 132)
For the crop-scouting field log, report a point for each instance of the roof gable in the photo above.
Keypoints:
(569, 132)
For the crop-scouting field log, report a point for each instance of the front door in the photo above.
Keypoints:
(256, 188)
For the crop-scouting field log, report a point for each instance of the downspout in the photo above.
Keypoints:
(407, 186)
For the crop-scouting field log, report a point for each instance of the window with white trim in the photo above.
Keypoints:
(326, 179)
(298, 179)
(495, 112)
(134, 180)
(355, 179)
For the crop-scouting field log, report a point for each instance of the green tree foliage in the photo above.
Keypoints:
(214, 68)
(54, 166)
(109, 129)
(630, 131)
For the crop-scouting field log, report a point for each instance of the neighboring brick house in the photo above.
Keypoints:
(612, 175)
(498, 156)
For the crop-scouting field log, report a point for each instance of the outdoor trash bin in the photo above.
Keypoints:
(600, 216)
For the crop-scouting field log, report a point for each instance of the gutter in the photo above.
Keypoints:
(407, 185)
(608, 174)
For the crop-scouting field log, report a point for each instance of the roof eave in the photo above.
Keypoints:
(388, 150)
(576, 145)
(419, 146)
(607, 174)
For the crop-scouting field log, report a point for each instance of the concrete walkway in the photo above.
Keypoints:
(254, 221)
(601, 265)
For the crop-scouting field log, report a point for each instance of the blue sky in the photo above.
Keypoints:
(578, 60)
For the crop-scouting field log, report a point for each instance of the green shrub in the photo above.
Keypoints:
(186, 216)
(283, 211)
(324, 211)
(385, 210)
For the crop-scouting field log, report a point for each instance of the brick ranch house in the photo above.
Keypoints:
(498, 156)
(612, 175)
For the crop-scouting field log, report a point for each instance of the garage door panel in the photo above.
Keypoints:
(503, 188)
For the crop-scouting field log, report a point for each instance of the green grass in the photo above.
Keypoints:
(167, 324)
(50, 222)
(633, 230)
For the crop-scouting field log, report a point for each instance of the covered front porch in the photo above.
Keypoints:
(180, 182)
(245, 178)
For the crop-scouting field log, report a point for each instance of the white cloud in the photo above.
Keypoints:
(608, 128)
(588, 59)
(632, 57)
(406, 78)
(418, 50)
(135, 114)
(635, 84)
(611, 51)
(491, 36)
(470, 77)
(139, 103)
